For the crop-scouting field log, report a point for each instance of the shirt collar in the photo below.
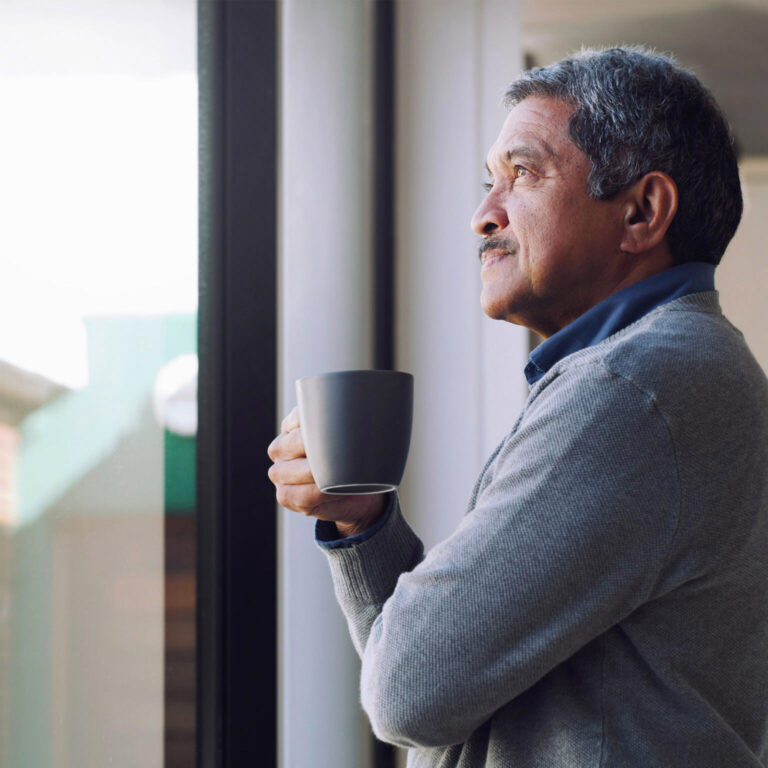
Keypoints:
(618, 311)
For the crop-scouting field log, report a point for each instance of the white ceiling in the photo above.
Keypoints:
(724, 41)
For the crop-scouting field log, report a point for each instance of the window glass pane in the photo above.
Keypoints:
(98, 376)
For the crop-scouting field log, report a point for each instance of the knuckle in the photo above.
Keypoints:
(304, 501)
(291, 421)
(282, 496)
(297, 441)
(273, 451)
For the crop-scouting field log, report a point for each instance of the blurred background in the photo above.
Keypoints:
(382, 111)
(98, 328)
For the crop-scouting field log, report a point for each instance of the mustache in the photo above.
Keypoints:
(491, 243)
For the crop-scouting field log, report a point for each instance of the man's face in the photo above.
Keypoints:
(549, 251)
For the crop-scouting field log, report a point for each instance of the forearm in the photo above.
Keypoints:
(365, 572)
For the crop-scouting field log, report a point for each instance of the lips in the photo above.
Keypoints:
(491, 257)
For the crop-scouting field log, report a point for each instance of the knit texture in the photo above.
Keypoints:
(603, 601)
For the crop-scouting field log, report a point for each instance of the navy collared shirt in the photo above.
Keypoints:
(618, 311)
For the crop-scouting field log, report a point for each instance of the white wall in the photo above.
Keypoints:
(742, 277)
(454, 60)
(325, 324)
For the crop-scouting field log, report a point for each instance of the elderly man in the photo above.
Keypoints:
(603, 601)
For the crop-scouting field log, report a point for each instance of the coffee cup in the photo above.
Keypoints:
(356, 427)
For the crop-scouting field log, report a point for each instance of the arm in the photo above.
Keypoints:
(345, 523)
(566, 539)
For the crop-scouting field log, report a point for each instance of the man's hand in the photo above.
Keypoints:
(296, 488)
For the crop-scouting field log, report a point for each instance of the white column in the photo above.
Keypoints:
(742, 277)
(454, 60)
(326, 322)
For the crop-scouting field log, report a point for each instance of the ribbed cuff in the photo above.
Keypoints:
(367, 572)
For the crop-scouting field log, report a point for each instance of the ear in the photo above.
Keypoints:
(650, 204)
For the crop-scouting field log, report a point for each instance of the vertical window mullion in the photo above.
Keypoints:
(237, 389)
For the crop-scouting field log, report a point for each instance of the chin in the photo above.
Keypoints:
(495, 304)
(488, 306)
(500, 309)
(494, 310)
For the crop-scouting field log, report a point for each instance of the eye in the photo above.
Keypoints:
(518, 172)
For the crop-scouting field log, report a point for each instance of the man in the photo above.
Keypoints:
(603, 602)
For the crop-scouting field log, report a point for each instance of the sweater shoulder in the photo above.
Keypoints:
(686, 349)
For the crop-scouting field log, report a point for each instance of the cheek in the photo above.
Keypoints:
(542, 244)
(556, 226)
(539, 222)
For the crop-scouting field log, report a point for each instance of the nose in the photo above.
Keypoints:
(490, 216)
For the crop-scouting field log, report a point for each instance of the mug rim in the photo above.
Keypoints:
(331, 489)
(358, 371)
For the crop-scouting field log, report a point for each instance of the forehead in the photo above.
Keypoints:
(540, 123)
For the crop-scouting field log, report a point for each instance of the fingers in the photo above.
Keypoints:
(289, 443)
(294, 484)
(287, 446)
(303, 498)
(291, 421)
(306, 498)
(293, 472)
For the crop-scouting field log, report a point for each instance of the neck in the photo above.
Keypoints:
(636, 267)
(625, 270)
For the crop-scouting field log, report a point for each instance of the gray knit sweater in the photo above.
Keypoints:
(603, 602)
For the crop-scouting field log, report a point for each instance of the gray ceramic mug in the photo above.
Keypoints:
(356, 427)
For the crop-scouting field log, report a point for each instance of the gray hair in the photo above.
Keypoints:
(636, 112)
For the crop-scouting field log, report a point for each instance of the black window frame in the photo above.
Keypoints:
(237, 565)
(237, 389)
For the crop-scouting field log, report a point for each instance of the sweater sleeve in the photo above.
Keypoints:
(365, 575)
(566, 538)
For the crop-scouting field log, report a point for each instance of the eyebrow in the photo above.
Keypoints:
(527, 152)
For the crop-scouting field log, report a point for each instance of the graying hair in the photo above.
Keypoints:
(637, 111)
